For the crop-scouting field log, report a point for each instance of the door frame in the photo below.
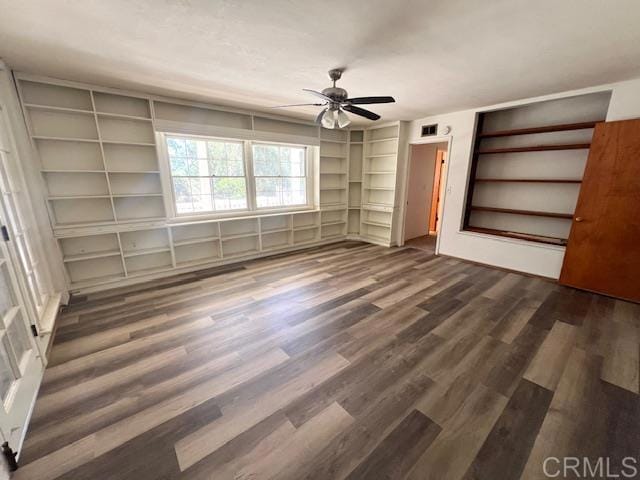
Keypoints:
(403, 213)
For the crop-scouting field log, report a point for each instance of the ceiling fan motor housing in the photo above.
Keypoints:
(337, 94)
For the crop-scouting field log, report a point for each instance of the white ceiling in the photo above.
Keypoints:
(432, 56)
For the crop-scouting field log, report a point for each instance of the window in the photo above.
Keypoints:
(280, 175)
(207, 175)
(217, 175)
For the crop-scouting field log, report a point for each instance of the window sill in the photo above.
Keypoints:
(191, 219)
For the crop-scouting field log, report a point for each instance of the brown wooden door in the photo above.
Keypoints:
(435, 195)
(603, 251)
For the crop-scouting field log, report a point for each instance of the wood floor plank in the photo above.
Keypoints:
(548, 364)
(244, 450)
(397, 453)
(300, 447)
(507, 448)
(617, 341)
(462, 436)
(515, 320)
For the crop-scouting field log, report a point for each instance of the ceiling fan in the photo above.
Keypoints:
(336, 101)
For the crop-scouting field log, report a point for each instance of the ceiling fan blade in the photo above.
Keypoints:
(365, 100)
(361, 111)
(318, 94)
(301, 105)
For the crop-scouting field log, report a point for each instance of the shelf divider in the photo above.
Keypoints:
(530, 180)
(534, 213)
(519, 236)
(563, 127)
(534, 148)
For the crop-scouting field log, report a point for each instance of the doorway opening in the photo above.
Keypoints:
(425, 189)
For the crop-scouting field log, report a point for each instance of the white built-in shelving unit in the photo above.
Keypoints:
(356, 149)
(527, 167)
(98, 258)
(110, 205)
(334, 183)
(97, 153)
(379, 185)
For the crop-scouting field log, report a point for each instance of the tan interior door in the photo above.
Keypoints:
(434, 216)
(603, 251)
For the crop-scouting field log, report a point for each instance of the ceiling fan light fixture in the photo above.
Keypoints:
(342, 119)
(328, 119)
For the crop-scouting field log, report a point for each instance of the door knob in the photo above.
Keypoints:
(579, 219)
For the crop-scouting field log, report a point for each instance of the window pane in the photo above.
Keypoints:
(182, 192)
(176, 147)
(200, 186)
(230, 193)
(216, 150)
(266, 161)
(235, 168)
(7, 377)
(7, 300)
(294, 191)
(18, 337)
(292, 161)
(268, 192)
(179, 166)
(202, 203)
(225, 159)
(192, 166)
(196, 148)
(226, 168)
(234, 152)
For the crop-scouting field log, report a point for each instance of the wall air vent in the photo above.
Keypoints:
(429, 130)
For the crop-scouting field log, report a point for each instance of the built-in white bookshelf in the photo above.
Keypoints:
(379, 167)
(334, 183)
(106, 196)
(128, 252)
(97, 154)
(356, 151)
(333, 223)
(306, 228)
(334, 168)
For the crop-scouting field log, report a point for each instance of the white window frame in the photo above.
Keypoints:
(247, 149)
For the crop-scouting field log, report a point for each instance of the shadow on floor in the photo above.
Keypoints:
(426, 243)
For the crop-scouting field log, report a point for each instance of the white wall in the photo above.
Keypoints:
(421, 170)
(538, 259)
(625, 101)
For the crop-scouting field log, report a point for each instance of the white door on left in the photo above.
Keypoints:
(21, 366)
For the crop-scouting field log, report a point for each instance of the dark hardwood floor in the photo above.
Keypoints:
(346, 361)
